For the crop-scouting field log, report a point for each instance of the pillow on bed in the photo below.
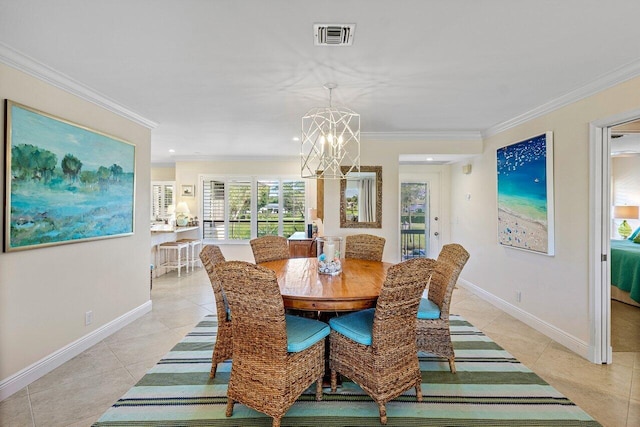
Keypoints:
(635, 234)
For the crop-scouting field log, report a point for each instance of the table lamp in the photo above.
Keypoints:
(625, 212)
(182, 212)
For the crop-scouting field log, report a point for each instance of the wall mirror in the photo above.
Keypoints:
(361, 198)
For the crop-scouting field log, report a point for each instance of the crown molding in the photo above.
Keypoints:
(28, 65)
(227, 158)
(465, 135)
(620, 75)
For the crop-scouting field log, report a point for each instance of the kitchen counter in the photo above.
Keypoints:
(162, 233)
(164, 228)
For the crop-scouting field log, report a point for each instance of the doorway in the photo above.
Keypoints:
(601, 233)
(420, 224)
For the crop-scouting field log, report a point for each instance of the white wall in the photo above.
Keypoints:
(163, 173)
(44, 293)
(554, 289)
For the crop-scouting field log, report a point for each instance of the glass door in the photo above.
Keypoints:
(419, 202)
(414, 220)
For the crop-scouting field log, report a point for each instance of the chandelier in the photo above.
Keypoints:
(330, 144)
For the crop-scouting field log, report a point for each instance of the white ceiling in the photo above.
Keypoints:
(234, 78)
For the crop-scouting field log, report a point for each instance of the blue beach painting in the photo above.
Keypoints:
(66, 183)
(525, 199)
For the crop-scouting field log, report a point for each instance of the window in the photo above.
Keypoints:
(161, 199)
(245, 208)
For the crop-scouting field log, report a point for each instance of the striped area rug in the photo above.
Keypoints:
(490, 388)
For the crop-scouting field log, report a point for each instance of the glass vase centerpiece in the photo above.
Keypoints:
(329, 255)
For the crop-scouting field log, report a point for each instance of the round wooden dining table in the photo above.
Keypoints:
(303, 288)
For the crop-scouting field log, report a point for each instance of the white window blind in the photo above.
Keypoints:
(245, 208)
(239, 209)
(293, 201)
(161, 199)
(269, 207)
(213, 210)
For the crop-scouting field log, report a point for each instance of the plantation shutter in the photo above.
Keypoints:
(293, 201)
(268, 208)
(213, 210)
(239, 209)
(245, 208)
(161, 199)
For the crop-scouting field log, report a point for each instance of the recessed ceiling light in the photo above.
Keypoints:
(296, 138)
(429, 159)
(171, 150)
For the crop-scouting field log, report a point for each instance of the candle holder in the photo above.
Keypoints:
(329, 251)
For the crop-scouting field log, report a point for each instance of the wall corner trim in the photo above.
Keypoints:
(34, 68)
(23, 378)
(572, 343)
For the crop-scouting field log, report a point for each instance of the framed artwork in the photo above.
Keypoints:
(188, 191)
(525, 194)
(64, 183)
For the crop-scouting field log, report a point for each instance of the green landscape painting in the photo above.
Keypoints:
(64, 183)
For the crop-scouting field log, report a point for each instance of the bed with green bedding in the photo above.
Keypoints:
(625, 267)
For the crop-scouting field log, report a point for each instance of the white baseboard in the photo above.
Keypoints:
(572, 343)
(23, 378)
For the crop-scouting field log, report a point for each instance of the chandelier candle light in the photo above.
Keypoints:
(330, 139)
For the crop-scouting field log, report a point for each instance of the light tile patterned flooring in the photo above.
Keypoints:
(78, 392)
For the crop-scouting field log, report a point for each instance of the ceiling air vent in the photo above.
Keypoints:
(334, 34)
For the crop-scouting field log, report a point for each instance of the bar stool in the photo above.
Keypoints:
(195, 246)
(175, 255)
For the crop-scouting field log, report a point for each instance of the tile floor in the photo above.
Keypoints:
(78, 392)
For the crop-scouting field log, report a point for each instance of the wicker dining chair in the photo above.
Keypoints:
(269, 248)
(276, 357)
(455, 254)
(376, 347)
(364, 246)
(211, 255)
(433, 333)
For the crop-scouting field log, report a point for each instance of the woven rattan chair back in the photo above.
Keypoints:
(434, 335)
(257, 307)
(264, 376)
(269, 248)
(364, 246)
(397, 306)
(457, 256)
(441, 286)
(211, 255)
(389, 366)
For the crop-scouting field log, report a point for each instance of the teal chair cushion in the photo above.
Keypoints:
(302, 333)
(428, 309)
(356, 326)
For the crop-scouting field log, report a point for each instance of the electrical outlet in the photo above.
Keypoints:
(88, 318)
(518, 296)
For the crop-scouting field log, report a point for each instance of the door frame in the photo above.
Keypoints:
(600, 350)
